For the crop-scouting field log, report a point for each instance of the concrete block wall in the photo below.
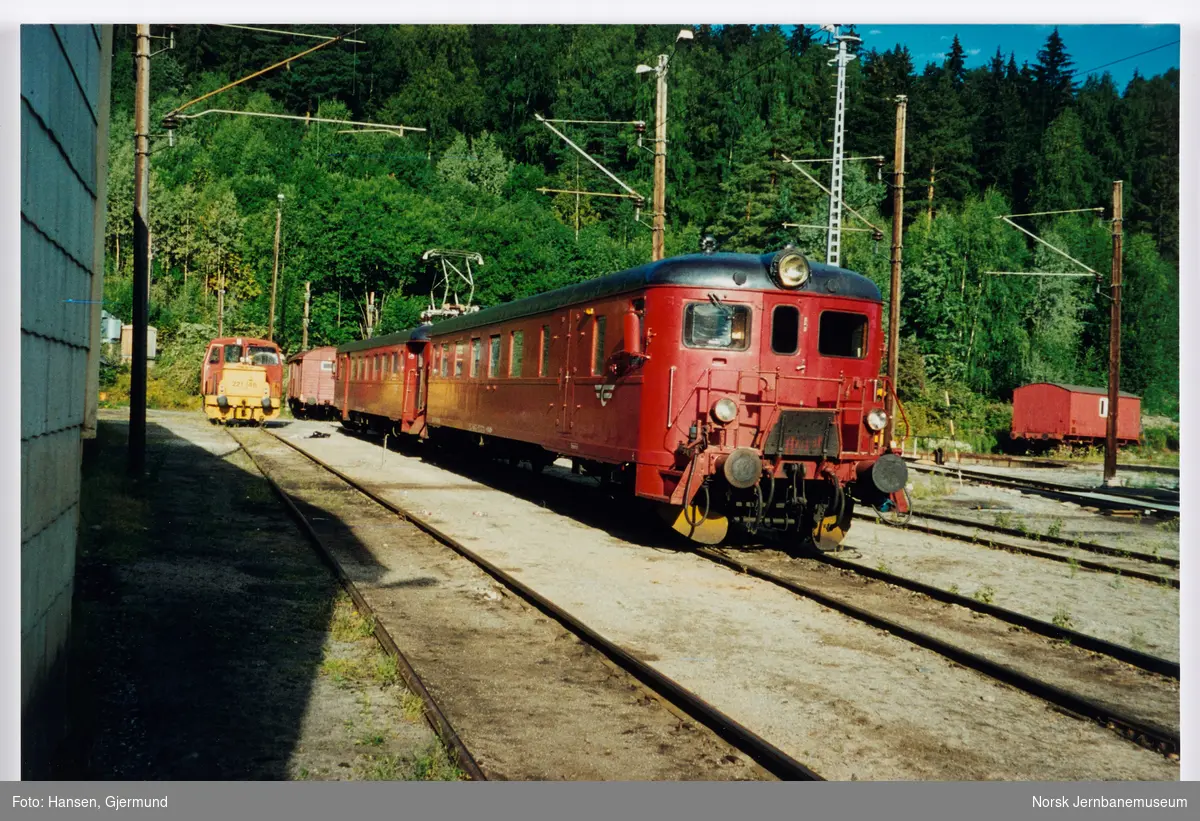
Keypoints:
(63, 69)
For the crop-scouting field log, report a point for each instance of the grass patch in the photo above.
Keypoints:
(1002, 519)
(432, 765)
(1062, 618)
(384, 668)
(348, 624)
(342, 671)
(435, 765)
(372, 739)
(985, 594)
(936, 486)
(1169, 526)
(1054, 530)
(412, 706)
(1073, 563)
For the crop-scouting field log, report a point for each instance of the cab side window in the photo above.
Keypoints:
(214, 356)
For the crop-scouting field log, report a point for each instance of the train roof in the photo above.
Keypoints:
(1082, 389)
(418, 333)
(241, 340)
(331, 350)
(693, 270)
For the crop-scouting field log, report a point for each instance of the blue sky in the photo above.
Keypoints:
(1088, 45)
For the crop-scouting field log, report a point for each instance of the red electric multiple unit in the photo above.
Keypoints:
(723, 386)
(1054, 413)
(310, 382)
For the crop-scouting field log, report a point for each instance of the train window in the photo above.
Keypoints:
(233, 353)
(785, 329)
(544, 364)
(842, 334)
(327, 365)
(716, 325)
(516, 353)
(395, 362)
(494, 356)
(476, 356)
(460, 349)
(215, 355)
(263, 355)
(598, 345)
(445, 359)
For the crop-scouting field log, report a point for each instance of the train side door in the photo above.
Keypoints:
(345, 372)
(563, 349)
(211, 376)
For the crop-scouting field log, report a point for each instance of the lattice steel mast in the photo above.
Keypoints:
(833, 241)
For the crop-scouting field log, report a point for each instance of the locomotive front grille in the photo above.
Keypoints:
(803, 433)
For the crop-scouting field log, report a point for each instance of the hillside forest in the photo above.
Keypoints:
(360, 209)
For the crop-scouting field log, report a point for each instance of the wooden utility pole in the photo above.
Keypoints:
(221, 304)
(893, 361)
(932, 180)
(370, 314)
(1114, 342)
(660, 162)
(141, 253)
(275, 274)
(304, 332)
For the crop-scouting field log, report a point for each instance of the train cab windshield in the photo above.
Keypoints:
(233, 354)
(716, 325)
(263, 355)
(843, 335)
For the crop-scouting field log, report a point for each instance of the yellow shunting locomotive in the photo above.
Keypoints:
(242, 380)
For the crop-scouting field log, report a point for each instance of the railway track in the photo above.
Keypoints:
(1158, 738)
(767, 755)
(431, 710)
(1165, 503)
(1103, 567)
(1003, 460)
(1145, 733)
(1144, 661)
(1128, 655)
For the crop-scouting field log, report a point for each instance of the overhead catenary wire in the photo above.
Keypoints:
(1123, 59)
(281, 31)
(306, 118)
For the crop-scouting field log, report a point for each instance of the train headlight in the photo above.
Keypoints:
(725, 410)
(877, 420)
(790, 268)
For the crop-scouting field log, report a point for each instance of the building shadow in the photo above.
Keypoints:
(200, 615)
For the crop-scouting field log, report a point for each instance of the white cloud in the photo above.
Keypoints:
(941, 55)
(973, 51)
(943, 37)
(874, 31)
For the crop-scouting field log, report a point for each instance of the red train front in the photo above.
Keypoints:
(727, 387)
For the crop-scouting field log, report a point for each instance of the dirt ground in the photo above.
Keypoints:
(842, 697)
(1146, 696)
(1137, 613)
(211, 643)
(1011, 508)
(528, 699)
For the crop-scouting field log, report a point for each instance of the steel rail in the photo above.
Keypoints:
(1040, 462)
(1028, 551)
(1091, 547)
(767, 755)
(1145, 661)
(433, 714)
(1158, 738)
(1102, 498)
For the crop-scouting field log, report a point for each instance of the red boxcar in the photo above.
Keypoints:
(310, 382)
(1055, 413)
(724, 386)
